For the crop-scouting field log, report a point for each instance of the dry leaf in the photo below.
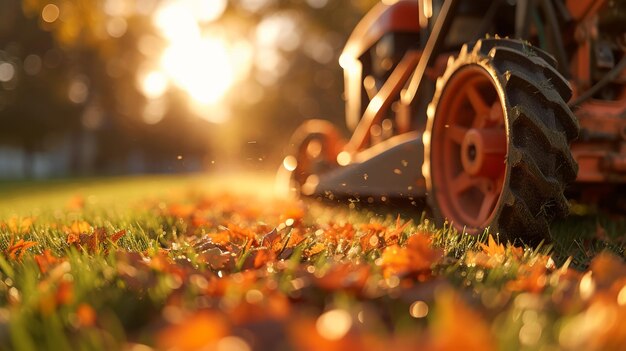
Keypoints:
(201, 330)
(417, 257)
(15, 251)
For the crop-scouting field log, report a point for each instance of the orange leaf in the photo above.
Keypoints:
(86, 315)
(345, 276)
(271, 238)
(77, 228)
(493, 249)
(93, 242)
(258, 258)
(72, 238)
(199, 331)
(20, 226)
(315, 249)
(77, 202)
(337, 232)
(457, 327)
(531, 279)
(117, 236)
(294, 212)
(45, 260)
(216, 259)
(181, 211)
(607, 268)
(15, 251)
(65, 293)
(307, 335)
(393, 236)
(417, 257)
(492, 254)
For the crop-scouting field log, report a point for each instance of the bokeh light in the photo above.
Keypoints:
(290, 163)
(7, 71)
(79, 90)
(418, 309)
(32, 64)
(116, 27)
(50, 13)
(154, 84)
(334, 324)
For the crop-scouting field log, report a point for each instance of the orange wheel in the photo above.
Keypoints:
(496, 141)
(314, 147)
(469, 147)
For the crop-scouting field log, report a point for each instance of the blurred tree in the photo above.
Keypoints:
(86, 90)
(78, 66)
(33, 96)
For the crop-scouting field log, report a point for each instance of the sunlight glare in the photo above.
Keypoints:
(154, 84)
(177, 22)
(207, 11)
(204, 66)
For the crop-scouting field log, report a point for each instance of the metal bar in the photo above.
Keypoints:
(557, 39)
(381, 102)
(433, 45)
(488, 19)
(565, 14)
(522, 18)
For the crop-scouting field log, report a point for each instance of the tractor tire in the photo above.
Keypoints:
(497, 140)
(312, 151)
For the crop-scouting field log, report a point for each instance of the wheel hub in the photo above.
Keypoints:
(480, 151)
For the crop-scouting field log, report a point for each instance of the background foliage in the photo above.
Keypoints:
(71, 100)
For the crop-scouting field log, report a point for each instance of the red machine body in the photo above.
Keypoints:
(492, 132)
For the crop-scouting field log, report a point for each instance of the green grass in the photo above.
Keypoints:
(218, 262)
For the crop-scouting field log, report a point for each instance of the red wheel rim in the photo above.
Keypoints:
(468, 149)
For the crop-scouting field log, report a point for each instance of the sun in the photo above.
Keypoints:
(199, 62)
(202, 68)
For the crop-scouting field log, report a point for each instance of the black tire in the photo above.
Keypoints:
(539, 127)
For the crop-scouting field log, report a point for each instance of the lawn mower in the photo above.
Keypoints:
(494, 112)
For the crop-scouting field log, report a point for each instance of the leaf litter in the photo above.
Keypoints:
(226, 272)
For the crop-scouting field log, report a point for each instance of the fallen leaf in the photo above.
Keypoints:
(392, 237)
(19, 225)
(416, 258)
(201, 330)
(77, 228)
(97, 240)
(607, 268)
(86, 315)
(76, 203)
(493, 249)
(458, 327)
(345, 277)
(15, 251)
(46, 260)
(217, 259)
(258, 257)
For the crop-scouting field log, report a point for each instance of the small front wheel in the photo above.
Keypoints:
(313, 150)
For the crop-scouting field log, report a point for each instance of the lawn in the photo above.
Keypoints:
(219, 263)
